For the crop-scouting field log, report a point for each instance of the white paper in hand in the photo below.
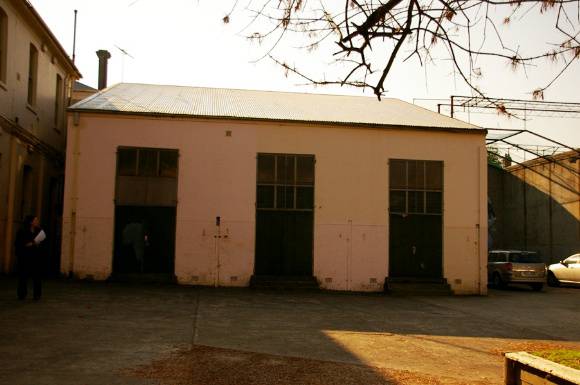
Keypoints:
(40, 237)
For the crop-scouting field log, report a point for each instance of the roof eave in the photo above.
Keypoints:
(287, 121)
(43, 28)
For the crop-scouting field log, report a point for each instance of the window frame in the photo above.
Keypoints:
(58, 102)
(277, 183)
(32, 75)
(409, 189)
(158, 152)
(3, 45)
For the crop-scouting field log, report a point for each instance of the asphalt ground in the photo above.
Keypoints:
(112, 333)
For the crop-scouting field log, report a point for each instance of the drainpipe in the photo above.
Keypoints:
(482, 226)
(73, 193)
(10, 209)
(40, 184)
(217, 237)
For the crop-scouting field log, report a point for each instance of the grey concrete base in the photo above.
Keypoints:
(84, 333)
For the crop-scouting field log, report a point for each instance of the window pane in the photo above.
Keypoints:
(284, 197)
(168, 164)
(265, 197)
(127, 162)
(397, 174)
(416, 174)
(434, 175)
(434, 203)
(304, 170)
(304, 197)
(397, 201)
(265, 169)
(285, 169)
(148, 162)
(416, 201)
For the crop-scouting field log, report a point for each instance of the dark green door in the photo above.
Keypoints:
(284, 243)
(415, 246)
(415, 219)
(284, 215)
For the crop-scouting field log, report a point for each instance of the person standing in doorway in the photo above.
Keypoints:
(28, 257)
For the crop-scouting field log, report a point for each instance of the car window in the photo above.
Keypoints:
(525, 258)
(572, 260)
(496, 257)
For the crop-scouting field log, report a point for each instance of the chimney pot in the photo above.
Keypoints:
(103, 56)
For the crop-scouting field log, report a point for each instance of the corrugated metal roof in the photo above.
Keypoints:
(152, 99)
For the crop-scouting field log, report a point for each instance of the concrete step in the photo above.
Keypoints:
(418, 287)
(283, 283)
(142, 278)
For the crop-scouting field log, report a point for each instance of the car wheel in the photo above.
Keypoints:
(537, 286)
(552, 280)
(498, 283)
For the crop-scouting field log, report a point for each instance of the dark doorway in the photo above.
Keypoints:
(415, 219)
(145, 212)
(284, 215)
(144, 240)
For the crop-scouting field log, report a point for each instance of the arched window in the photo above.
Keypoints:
(3, 44)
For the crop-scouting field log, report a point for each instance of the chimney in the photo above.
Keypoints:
(104, 56)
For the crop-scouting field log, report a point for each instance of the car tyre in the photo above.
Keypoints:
(537, 286)
(498, 283)
(552, 280)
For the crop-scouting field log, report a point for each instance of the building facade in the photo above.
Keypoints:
(35, 79)
(537, 206)
(216, 186)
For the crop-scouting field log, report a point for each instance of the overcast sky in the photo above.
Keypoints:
(185, 42)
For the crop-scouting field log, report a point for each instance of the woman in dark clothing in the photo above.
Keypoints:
(29, 257)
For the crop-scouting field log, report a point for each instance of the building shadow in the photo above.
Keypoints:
(535, 213)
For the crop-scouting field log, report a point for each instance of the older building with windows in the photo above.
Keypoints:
(226, 187)
(35, 79)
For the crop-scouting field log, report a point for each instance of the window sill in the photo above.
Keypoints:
(31, 109)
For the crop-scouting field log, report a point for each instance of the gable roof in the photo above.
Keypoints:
(78, 86)
(159, 100)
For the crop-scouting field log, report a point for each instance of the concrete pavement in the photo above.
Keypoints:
(85, 333)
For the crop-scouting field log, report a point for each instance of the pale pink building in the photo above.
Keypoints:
(219, 187)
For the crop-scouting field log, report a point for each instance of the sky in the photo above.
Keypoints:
(185, 42)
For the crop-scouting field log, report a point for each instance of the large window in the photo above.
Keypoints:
(285, 182)
(32, 75)
(416, 186)
(147, 162)
(3, 44)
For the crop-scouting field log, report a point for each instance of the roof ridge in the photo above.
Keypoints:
(258, 90)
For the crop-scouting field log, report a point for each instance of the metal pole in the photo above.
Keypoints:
(452, 105)
(74, 38)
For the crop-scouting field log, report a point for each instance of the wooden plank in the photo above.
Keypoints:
(555, 371)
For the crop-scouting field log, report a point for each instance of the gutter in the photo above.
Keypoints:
(478, 131)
